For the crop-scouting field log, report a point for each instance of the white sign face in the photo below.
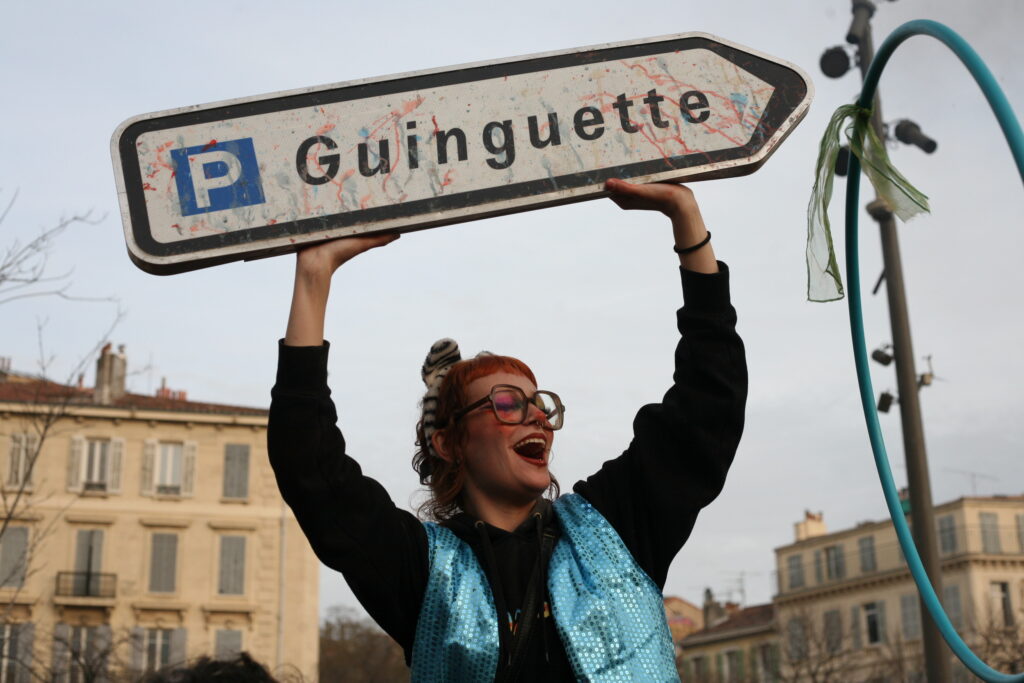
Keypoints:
(265, 175)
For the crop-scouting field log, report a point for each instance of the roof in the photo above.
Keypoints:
(46, 392)
(743, 622)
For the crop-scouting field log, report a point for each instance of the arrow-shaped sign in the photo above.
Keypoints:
(265, 175)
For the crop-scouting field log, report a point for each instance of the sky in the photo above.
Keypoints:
(595, 314)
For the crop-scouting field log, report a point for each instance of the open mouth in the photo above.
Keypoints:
(532, 448)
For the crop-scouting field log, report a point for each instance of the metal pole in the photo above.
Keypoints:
(936, 656)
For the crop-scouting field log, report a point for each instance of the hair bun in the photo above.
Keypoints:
(444, 353)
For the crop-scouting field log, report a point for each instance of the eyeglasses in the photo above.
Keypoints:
(512, 407)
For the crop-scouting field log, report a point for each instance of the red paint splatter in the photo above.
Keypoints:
(272, 221)
(210, 145)
(326, 128)
(437, 128)
(447, 177)
(365, 200)
(147, 186)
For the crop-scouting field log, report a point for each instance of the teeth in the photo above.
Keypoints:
(530, 440)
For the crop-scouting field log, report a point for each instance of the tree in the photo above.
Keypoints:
(355, 650)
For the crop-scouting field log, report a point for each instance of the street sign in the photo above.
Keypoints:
(265, 175)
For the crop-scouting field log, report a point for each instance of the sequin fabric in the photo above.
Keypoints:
(610, 615)
(457, 631)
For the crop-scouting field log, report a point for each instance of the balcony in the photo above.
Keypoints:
(86, 585)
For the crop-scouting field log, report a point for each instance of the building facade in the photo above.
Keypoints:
(846, 601)
(142, 532)
(738, 645)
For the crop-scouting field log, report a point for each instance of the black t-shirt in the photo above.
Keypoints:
(675, 465)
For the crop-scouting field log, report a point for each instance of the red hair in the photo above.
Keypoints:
(446, 478)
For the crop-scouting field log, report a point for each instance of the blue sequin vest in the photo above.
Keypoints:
(609, 614)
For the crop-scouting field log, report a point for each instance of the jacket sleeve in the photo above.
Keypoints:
(348, 518)
(682, 447)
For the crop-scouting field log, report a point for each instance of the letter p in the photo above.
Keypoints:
(217, 176)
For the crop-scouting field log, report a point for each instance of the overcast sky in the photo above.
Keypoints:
(599, 287)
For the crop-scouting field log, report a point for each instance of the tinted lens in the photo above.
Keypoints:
(509, 405)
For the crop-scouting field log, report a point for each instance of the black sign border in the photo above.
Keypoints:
(790, 91)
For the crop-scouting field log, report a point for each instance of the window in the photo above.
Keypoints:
(236, 471)
(13, 550)
(734, 666)
(819, 572)
(156, 651)
(834, 562)
(232, 565)
(15, 642)
(990, 533)
(701, 670)
(88, 562)
(795, 569)
(874, 622)
(227, 643)
(767, 657)
(951, 601)
(168, 468)
(95, 465)
(947, 535)
(910, 616)
(163, 564)
(80, 653)
(833, 631)
(866, 546)
(797, 635)
(21, 455)
(1002, 609)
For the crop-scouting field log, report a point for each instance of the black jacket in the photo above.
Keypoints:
(675, 465)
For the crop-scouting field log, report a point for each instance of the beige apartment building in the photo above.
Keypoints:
(847, 609)
(846, 601)
(142, 532)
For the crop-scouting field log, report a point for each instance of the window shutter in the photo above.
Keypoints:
(163, 563)
(855, 626)
(26, 634)
(148, 466)
(840, 562)
(115, 465)
(719, 667)
(61, 658)
(232, 565)
(818, 574)
(236, 470)
(103, 644)
(882, 631)
(741, 675)
(14, 455)
(13, 546)
(910, 614)
(138, 644)
(951, 598)
(75, 460)
(687, 668)
(228, 643)
(188, 479)
(31, 455)
(178, 647)
(1020, 532)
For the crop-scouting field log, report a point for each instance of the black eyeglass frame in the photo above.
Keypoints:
(532, 400)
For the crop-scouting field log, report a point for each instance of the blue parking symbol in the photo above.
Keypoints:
(217, 176)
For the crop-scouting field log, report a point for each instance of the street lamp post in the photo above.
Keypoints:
(936, 657)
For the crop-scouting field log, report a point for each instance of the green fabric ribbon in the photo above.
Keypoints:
(824, 281)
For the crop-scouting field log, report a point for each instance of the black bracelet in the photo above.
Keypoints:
(687, 250)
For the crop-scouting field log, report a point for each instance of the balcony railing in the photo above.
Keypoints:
(86, 585)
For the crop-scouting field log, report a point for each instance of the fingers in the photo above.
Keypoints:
(668, 198)
(329, 256)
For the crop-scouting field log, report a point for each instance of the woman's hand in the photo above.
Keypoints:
(678, 203)
(314, 267)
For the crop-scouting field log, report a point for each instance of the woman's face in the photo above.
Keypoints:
(507, 464)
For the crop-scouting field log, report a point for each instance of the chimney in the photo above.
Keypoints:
(714, 612)
(813, 525)
(110, 374)
(5, 367)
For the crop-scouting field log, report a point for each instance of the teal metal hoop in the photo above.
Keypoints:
(1011, 129)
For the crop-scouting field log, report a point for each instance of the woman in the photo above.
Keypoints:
(508, 586)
